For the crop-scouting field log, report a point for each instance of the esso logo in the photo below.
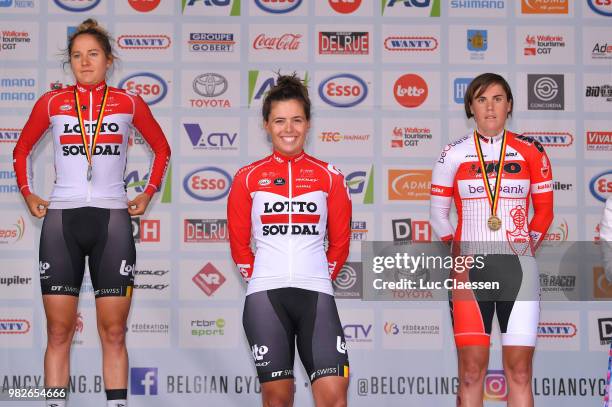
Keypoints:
(603, 7)
(150, 87)
(144, 6)
(344, 6)
(278, 6)
(207, 184)
(410, 90)
(343, 90)
(77, 6)
(601, 185)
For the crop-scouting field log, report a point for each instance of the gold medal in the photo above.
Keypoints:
(494, 223)
(89, 173)
(89, 151)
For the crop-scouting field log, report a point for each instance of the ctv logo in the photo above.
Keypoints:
(143, 381)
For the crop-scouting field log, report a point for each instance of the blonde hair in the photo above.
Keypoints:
(91, 27)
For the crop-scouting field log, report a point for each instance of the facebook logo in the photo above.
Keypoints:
(459, 87)
(143, 381)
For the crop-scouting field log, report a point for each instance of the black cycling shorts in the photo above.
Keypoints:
(105, 235)
(274, 319)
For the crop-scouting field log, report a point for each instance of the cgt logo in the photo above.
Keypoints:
(209, 279)
(278, 6)
(358, 182)
(152, 88)
(343, 90)
(77, 6)
(259, 85)
(146, 230)
(207, 184)
(602, 7)
(14, 326)
(143, 381)
(344, 6)
(601, 185)
(410, 90)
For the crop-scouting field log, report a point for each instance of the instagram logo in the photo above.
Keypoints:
(495, 387)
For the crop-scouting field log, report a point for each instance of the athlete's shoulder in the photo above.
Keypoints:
(324, 165)
(455, 151)
(244, 171)
(526, 144)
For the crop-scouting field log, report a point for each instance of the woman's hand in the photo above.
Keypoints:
(37, 205)
(138, 205)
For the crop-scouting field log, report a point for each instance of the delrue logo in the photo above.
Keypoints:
(207, 184)
(601, 185)
(209, 279)
(602, 288)
(542, 44)
(409, 185)
(278, 6)
(551, 138)
(599, 140)
(143, 41)
(410, 90)
(259, 85)
(344, 6)
(144, 6)
(214, 141)
(143, 381)
(408, 230)
(284, 42)
(403, 43)
(392, 6)
(146, 230)
(205, 231)
(560, 330)
(211, 42)
(12, 233)
(337, 137)
(344, 42)
(343, 90)
(601, 50)
(9, 135)
(210, 86)
(233, 5)
(359, 230)
(407, 137)
(545, 92)
(14, 326)
(544, 6)
(603, 91)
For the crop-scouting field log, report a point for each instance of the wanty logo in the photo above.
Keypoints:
(14, 326)
(410, 90)
(402, 43)
(209, 279)
(207, 184)
(233, 4)
(133, 180)
(559, 330)
(409, 185)
(144, 6)
(344, 6)
(151, 87)
(602, 288)
(284, 42)
(77, 6)
(9, 135)
(601, 185)
(13, 234)
(143, 41)
(551, 138)
(602, 7)
(344, 43)
(259, 85)
(597, 140)
(495, 386)
(359, 182)
(412, 6)
(343, 90)
(278, 6)
(544, 6)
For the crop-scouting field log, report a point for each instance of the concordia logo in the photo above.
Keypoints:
(278, 7)
(343, 90)
(143, 41)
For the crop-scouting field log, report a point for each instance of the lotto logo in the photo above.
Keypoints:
(126, 269)
(410, 90)
(259, 351)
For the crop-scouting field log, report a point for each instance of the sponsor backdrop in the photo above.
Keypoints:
(387, 78)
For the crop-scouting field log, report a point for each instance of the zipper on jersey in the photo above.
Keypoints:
(290, 223)
(90, 124)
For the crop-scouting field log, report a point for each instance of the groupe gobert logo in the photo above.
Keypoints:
(151, 87)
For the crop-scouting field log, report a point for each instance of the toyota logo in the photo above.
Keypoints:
(210, 85)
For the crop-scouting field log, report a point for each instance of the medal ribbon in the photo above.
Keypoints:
(89, 152)
(491, 195)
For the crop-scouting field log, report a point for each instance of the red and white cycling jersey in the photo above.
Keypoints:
(56, 110)
(287, 205)
(527, 172)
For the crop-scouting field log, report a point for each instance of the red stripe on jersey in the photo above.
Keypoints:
(284, 218)
(441, 190)
(102, 139)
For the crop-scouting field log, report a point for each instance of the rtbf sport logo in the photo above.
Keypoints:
(302, 216)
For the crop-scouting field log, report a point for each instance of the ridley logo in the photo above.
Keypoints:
(286, 42)
(343, 90)
(410, 90)
(209, 279)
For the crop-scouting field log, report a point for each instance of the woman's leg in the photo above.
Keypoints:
(61, 311)
(472, 366)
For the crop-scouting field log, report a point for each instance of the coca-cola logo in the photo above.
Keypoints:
(285, 42)
(410, 90)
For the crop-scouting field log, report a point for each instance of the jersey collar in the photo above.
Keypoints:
(281, 158)
(98, 87)
(495, 139)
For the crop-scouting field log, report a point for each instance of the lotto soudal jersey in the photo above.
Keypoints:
(56, 111)
(526, 173)
(288, 205)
